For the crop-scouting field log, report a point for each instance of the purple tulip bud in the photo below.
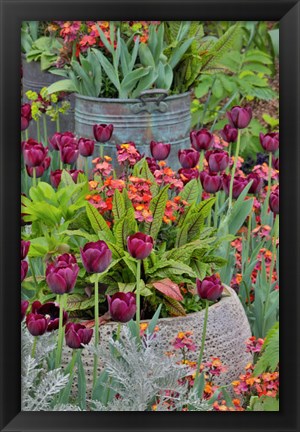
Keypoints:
(257, 183)
(96, 256)
(202, 139)
(60, 139)
(74, 174)
(122, 306)
(159, 150)
(103, 132)
(188, 174)
(239, 184)
(86, 147)
(188, 158)
(77, 335)
(34, 153)
(24, 307)
(275, 163)
(24, 270)
(61, 276)
(218, 160)
(25, 116)
(39, 170)
(229, 133)
(69, 153)
(140, 245)
(24, 248)
(55, 178)
(36, 324)
(211, 182)
(152, 164)
(239, 117)
(210, 288)
(274, 201)
(50, 311)
(269, 141)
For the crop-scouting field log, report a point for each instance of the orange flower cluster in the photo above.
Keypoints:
(140, 195)
(266, 384)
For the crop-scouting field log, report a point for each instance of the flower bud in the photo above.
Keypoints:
(24, 270)
(24, 248)
(188, 158)
(229, 133)
(86, 147)
(36, 324)
(274, 201)
(122, 306)
(269, 141)
(159, 150)
(96, 256)
(211, 182)
(202, 139)
(239, 184)
(210, 288)
(77, 334)
(140, 245)
(103, 132)
(62, 275)
(218, 160)
(239, 117)
(257, 183)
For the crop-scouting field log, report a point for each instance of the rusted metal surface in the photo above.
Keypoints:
(34, 79)
(151, 117)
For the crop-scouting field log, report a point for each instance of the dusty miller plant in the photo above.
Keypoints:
(143, 376)
(40, 386)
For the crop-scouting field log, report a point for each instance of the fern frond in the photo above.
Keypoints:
(270, 356)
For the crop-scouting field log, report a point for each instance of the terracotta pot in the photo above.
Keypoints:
(227, 330)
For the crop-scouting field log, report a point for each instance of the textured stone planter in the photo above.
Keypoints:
(227, 330)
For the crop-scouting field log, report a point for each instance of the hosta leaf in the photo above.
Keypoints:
(168, 288)
(157, 207)
(174, 307)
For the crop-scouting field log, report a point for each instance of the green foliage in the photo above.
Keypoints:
(45, 49)
(270, 352)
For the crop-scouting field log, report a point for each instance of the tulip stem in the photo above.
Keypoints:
(45, 129)
(34, 176)
(57, 123)
(202, 341)
(38, 129)
(60, 330)
(201, 169)
(216, 210)
(234, 167)
(33, 346)
(26, 135)
(269, 177)
(138, 296)
(249, 233)
(96, 313)
(101, 151)
(86, 167)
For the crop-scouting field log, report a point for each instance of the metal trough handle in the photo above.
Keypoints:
(161, 92)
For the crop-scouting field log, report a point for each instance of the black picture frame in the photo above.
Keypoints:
(15, 11)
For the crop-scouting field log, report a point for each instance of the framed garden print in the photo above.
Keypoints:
(149, 185)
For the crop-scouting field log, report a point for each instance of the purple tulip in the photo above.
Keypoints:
(60, 139)
(77, 334)
(69, 153)
(24, 248)
(274, 201)
(239, 184)
(210, 288)
(39, 170)
(36, 324)
(152, 164)
(96, 256)
(34, 153)
(122, 306)
(25, 116)
(86, 147)
(159, 150)
(103, 132)
(211, 182)
(74, 174)
(239, 117)
(24, 270)
(50, 311)
(202, 139)
(218, 160)
(275, 163)
(269, 141)
(140, 245)
(61, 276)
(188, 174)
(55, 178)
(188, 158)
(257, 183)
(229, 133)
(24, 307)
